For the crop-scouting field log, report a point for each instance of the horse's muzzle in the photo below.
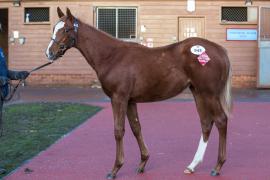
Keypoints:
(52, 57)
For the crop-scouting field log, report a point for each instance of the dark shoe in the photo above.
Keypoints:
(2, 171)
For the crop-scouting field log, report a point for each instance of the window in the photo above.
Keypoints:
(36, 15)
(118, 22)
(239, 15)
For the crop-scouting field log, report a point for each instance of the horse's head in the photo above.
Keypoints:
(64, 35)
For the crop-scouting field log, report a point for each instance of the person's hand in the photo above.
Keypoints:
(23, 74)
(3, 80)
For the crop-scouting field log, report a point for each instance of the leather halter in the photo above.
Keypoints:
(72, 41)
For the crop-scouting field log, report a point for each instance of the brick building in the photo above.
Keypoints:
(233, 24)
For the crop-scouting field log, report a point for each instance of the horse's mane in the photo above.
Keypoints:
(120, 41)
(94, 29)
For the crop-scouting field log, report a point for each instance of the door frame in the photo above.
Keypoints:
(178, 18)
(8, 25)
(258, 49)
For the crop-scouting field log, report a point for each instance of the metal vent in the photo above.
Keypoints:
(36, 15)
(118, 22)
(107, 21)
(127, 23)
(234, 14)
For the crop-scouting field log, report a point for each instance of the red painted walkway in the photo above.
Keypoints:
(172, 132)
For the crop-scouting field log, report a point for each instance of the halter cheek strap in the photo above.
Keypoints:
(76, 25)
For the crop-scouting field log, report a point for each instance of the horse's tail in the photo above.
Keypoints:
(226, 96)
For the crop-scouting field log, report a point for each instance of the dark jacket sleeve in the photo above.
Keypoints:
(3, 80)
(16, 75)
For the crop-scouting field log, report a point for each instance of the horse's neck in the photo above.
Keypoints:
(95, 46)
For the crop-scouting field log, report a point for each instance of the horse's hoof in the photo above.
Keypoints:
(140, 170)
(28, 170)
(188, 171)
(111, 176)
(214, 173)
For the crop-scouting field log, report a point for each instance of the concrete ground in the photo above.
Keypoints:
(88, 94)
(171, 129)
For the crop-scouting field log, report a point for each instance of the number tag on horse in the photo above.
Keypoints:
(203, 58)
(197, 50)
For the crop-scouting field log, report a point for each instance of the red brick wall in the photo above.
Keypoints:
(61, 79)
(155, 15)
(244, 81)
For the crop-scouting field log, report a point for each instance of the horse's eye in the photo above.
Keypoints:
(61, 46)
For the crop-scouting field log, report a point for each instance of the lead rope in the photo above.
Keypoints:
(17, 85)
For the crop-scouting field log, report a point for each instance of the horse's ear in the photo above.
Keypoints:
(60, 13)
(69, 15)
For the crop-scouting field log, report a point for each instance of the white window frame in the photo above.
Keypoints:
(117, 8)
(249, 8)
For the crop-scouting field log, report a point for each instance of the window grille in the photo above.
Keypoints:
(126, 23)
(118, 22)
(234, 14)
(107, 21)
(36, 15)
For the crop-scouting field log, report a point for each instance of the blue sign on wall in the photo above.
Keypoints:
(242, 34)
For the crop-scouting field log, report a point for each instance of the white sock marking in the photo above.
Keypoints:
(198, 158)
(57, 27)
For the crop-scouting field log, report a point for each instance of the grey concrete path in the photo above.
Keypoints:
(88, 94)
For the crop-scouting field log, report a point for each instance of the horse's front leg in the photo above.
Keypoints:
(134, 122)
(119, 106)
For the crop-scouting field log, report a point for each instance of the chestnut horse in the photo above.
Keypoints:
(131, 73)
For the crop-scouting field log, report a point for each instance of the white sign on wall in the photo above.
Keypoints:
(16, 34)
(150, 42)
(242, 34)
(191, 5)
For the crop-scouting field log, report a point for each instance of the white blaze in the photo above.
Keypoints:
(57, 27)
(198, 158)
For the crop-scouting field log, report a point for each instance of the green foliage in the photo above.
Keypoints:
(31, 128)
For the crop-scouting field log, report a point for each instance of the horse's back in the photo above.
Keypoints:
(153, 74)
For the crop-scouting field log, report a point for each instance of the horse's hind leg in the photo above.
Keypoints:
(134, 122)
(206, 125)
(217, 115)
(210, 111)
(221, 124)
